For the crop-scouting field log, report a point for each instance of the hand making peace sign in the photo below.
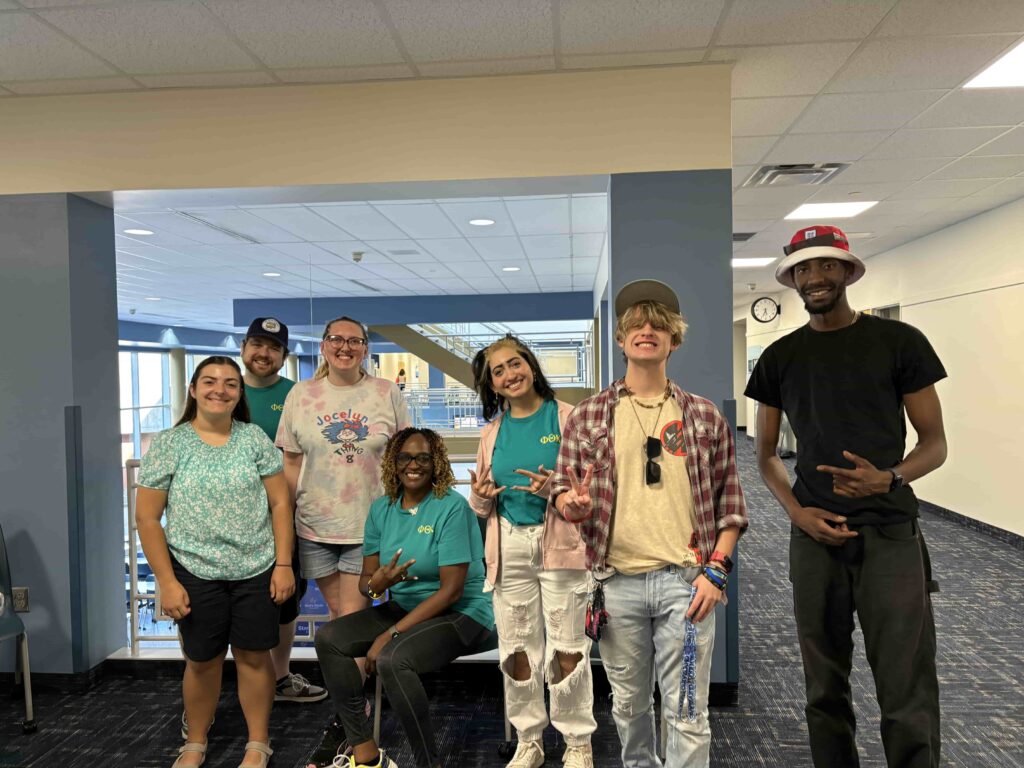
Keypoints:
(576, 504)
(388, 575)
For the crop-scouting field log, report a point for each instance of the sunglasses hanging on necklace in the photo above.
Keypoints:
(652, 444)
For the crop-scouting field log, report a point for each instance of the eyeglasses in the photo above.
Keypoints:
(652, 471)
(421, 459)
(340, 341)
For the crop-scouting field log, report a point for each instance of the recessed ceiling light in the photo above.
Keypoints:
(271, 274)
(481, 222)
(760, 262)
(152, 298)
(831, 210)
(510, 269)
(138, 232)
(1007, 72)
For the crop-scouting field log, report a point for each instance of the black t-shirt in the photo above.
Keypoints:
(843, 390)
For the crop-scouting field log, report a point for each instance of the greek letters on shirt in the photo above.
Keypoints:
(345, 429)
(552, 438)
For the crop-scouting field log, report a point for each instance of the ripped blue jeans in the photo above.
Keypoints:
(646, 636)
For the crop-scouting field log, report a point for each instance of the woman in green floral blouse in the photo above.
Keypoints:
(223, 562)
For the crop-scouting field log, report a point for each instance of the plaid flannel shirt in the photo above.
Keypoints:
(588, 440)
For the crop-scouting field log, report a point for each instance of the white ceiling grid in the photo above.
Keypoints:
(875, 83)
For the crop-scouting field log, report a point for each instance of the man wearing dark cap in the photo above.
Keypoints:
(264, 350)
(649, 472)
(844, 381)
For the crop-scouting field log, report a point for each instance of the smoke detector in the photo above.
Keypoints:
(793, 175)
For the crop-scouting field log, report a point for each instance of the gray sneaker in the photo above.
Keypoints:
(298, 689)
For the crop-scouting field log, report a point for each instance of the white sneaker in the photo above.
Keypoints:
(578, 757)
(529, 754)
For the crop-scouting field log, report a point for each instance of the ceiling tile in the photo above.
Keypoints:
(180, 226)
(487, 67)
(785, 196)
(390, 270)
(310, 33)
(864, 111)
(302, 222)
(448, 250)
(588, 245)
(461, 30)
(540, 216)
(751, 22)
(982, 167)
(749, 150)
(586, 266)
(547, 246)
(498, 248)
(876, 171)
(934, 188)
(751, 225)
(399, 251)
(544, 267)
(344, 74)
(1012, 143)
(953, 17)
(791, 70)
(153, 38)
(87, 85)
(904, 209)
(824, 147)
(470, 268)
(932, 142)
(636, 59)
(760, 117)
(460, 215)
(345, 248)
(839, 192)
(30, 50)
(589, 213)
(244, 223)
(362, 221)
(322, 253)
(1006, 190)
(420, 220)
(976, 106)
(761, 211)
(207, 80)
(741, 173)
(611, 26)
(486, 284)
(917, 63)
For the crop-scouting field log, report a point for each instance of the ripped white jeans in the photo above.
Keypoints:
(539, 613)
(644, 640)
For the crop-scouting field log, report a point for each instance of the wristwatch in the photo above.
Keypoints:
(394, 632)
(897, 480)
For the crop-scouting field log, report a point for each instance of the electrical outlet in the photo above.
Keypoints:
(20, 595)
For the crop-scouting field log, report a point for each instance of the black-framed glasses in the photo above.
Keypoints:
(421, 459)
(340, 341)
(652, 471)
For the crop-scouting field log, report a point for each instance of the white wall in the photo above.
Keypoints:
(963, 287)
(739, 370)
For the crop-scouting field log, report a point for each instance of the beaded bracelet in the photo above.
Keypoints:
(718, 579)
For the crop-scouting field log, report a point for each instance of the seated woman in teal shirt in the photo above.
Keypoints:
(422, 542)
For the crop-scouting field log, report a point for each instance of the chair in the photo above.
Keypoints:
(11, 625)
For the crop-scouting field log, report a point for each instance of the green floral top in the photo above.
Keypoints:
(218, 517)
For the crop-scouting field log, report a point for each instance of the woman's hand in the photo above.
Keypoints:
(378, 645)
(174, 600)
(538, 479)
(282, 584)
(388, 575)
(484, 487)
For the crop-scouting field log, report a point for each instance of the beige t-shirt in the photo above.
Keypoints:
(653, 525)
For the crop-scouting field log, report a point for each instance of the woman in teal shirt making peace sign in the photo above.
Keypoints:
(422, 543)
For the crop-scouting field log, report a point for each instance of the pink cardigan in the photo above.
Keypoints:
(561, 544)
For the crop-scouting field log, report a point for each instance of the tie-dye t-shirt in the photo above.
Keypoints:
(341, 433)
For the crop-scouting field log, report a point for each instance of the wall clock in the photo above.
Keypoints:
(765, 309)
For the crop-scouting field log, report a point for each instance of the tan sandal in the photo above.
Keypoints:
(190, 746)
(257, 746)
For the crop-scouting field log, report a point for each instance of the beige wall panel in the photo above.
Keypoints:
(562, 124)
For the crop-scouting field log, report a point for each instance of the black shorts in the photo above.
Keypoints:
(237, 613)
(290, 607)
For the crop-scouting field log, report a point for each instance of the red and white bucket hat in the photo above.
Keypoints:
(817, 242)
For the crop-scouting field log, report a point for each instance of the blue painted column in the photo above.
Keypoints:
(59, 430)
(676, 226)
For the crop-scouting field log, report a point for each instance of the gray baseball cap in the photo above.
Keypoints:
(645, 290)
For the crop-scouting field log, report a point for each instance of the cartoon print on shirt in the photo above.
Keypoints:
(345, 429)
(672, 438)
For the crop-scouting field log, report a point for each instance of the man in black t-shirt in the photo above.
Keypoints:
(844, 381)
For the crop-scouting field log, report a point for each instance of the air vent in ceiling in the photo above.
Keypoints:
(798, 174)
(211, 225)
(364, 286)
(742, 237)
(407, 252)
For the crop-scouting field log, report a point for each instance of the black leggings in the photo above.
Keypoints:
(426, 647)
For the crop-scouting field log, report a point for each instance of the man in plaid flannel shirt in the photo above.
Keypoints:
(649, 472)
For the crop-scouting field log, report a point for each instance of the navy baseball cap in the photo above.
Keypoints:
(269, 328)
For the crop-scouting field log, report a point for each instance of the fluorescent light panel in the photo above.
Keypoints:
(1007, 72)
(760, 262)
(831, 210)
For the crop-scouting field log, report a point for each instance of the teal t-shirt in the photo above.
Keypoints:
(441, 532)
(267, 403)
(525, 444)
(218, 516)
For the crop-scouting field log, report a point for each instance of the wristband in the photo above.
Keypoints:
(723, 559)
(719, 579)
(371, 594)
(282, 565)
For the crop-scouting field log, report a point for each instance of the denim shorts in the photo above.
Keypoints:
(318, 559)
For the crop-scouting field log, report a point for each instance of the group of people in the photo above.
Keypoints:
(614, 522)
